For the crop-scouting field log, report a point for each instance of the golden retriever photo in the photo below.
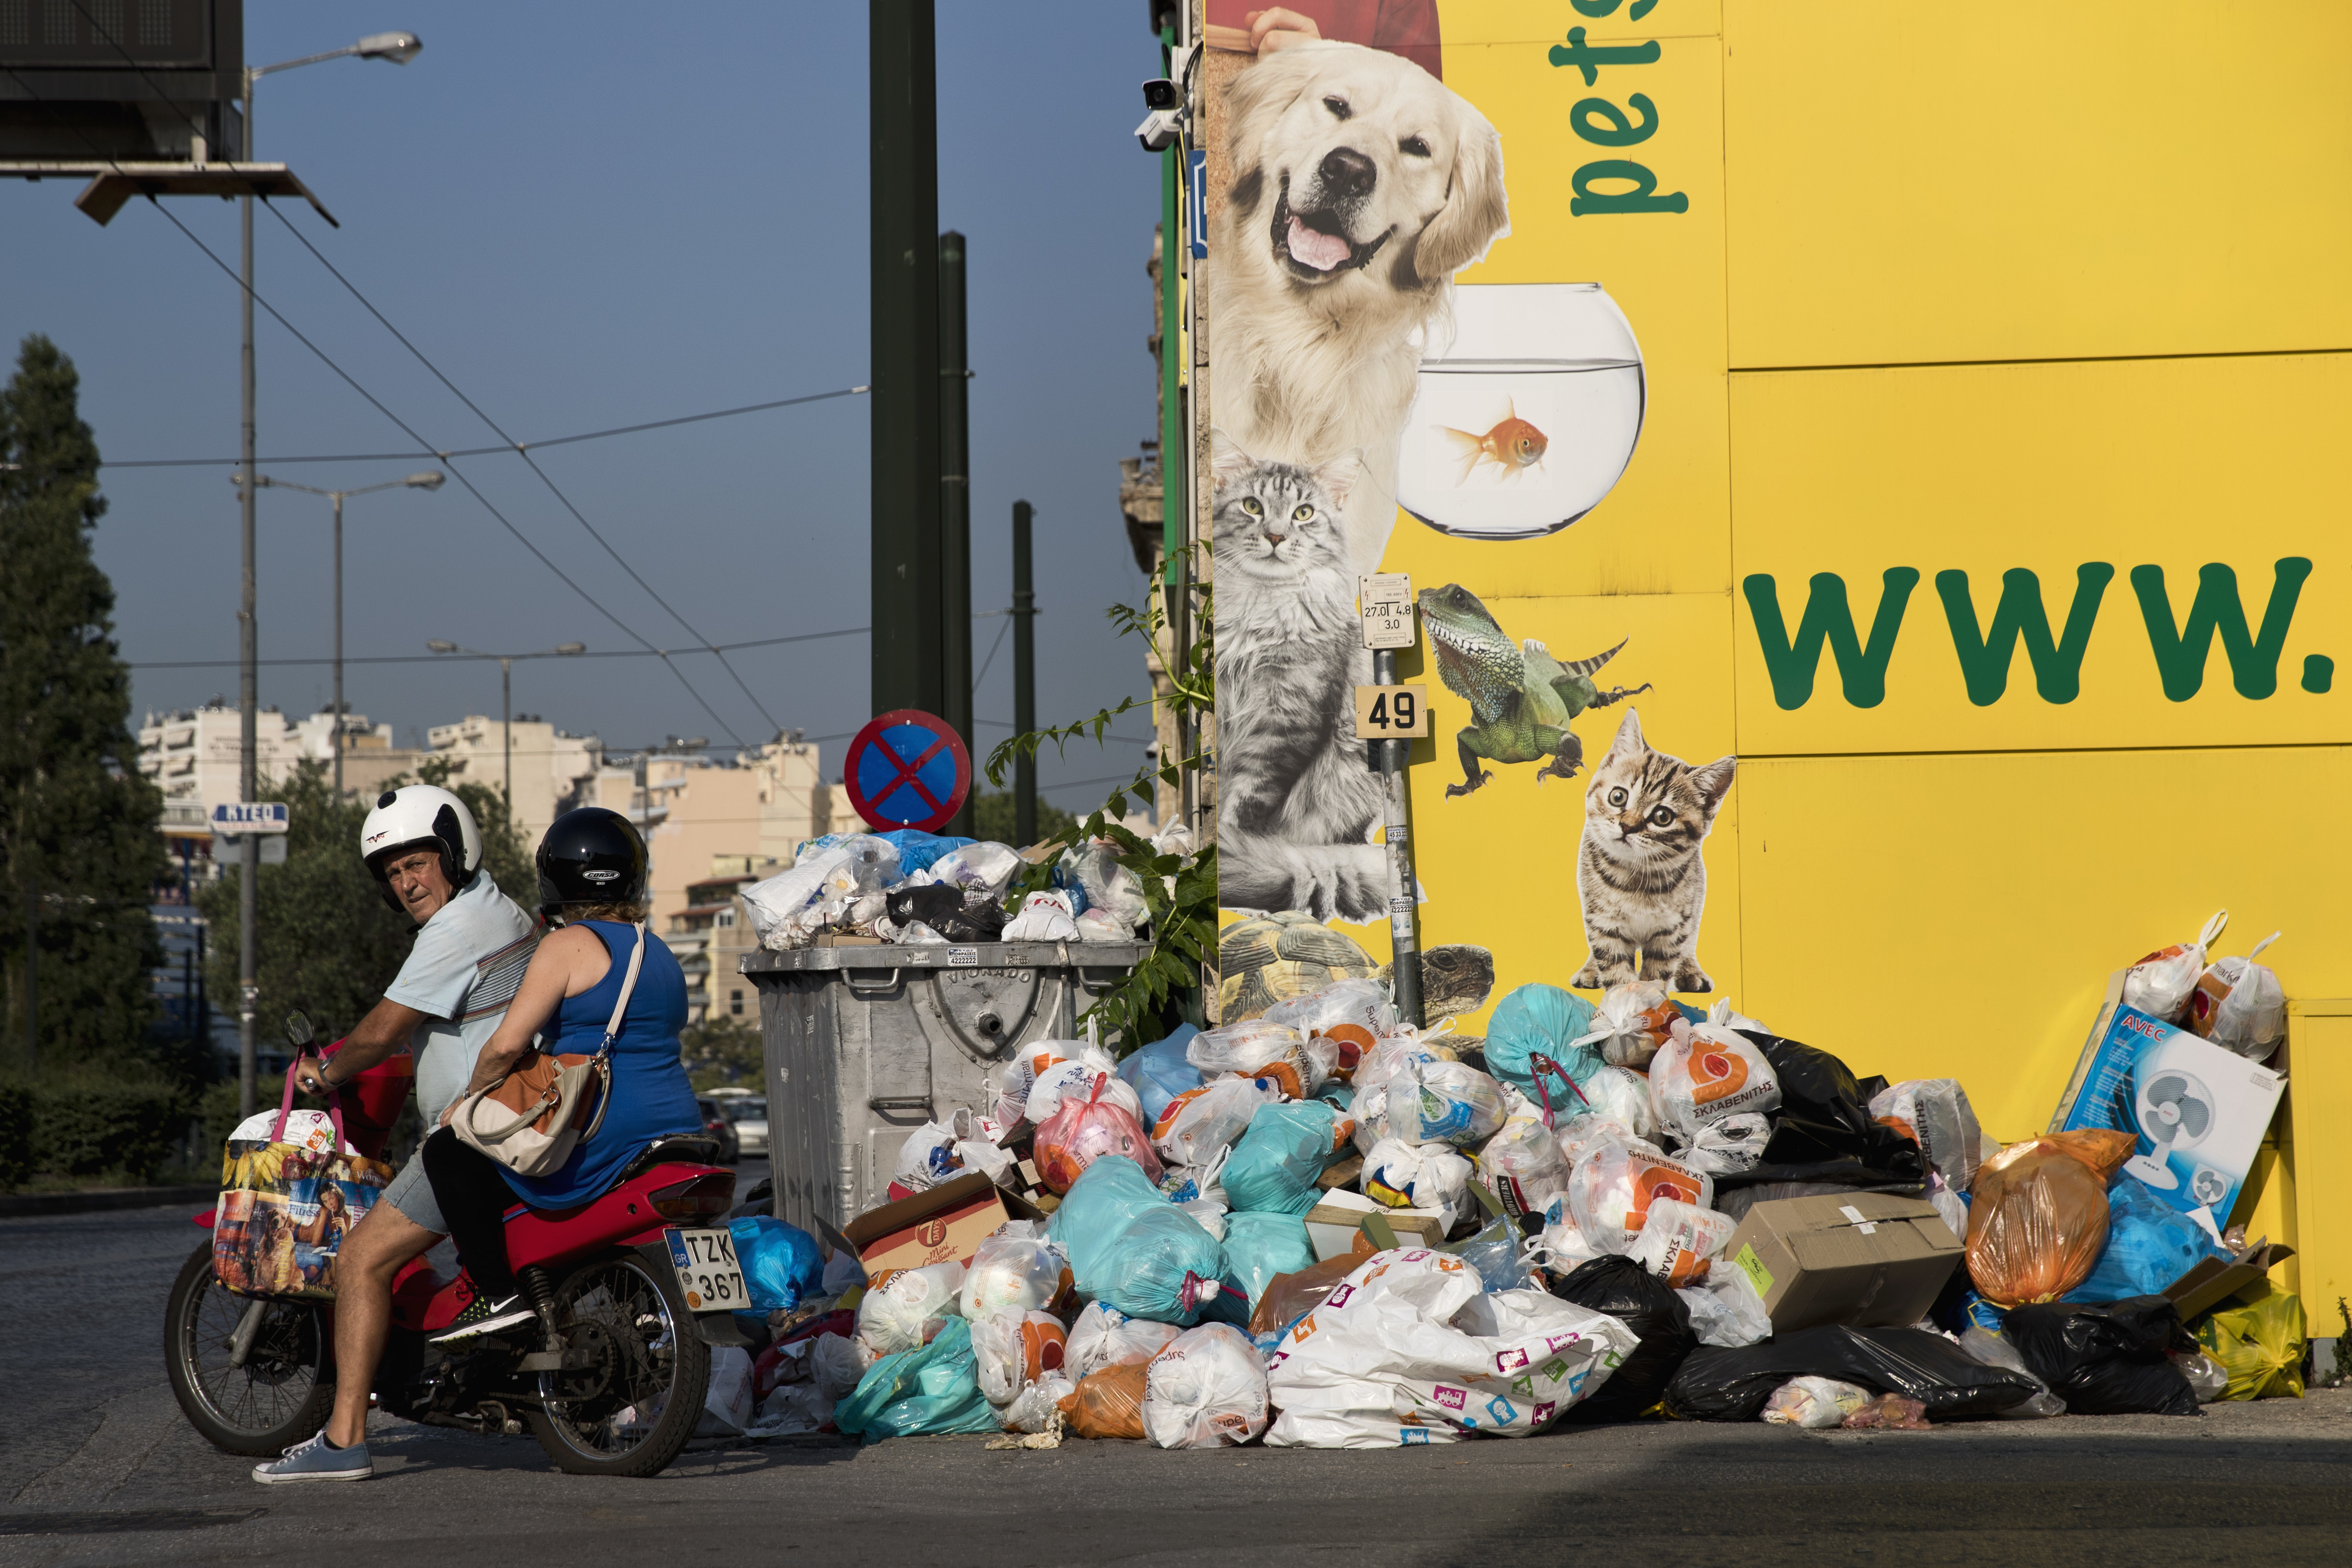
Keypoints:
(1360, 186)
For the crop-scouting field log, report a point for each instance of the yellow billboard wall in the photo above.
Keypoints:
(1992, 502)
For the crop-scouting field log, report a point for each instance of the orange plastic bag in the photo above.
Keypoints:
(1290, 1296)
(2038, 1217)
(1109, 1403)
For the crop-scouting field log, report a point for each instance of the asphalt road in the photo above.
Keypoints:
(97, 1468)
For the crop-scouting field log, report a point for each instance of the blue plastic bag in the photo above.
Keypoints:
(933, 1389)
(1066, 882)
(2149, 1244)
(782, 1263)
(1260, 1246)
(1158, 1072)
(1109, 1193)
(1542, 1021)
(1163, 1266)
(1273, 1168)
(917, 851)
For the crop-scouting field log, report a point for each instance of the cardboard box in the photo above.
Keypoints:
(1869, 1259)
(2213, 1283)
(2199, 1111)
(1336, 1216)
(949, 1222)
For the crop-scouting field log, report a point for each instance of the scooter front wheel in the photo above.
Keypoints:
(635, 1394)
(260, 1396)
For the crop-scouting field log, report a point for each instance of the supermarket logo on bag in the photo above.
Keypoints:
(1510, 1360)
(1451, 1398)
(1339, 1297)
(1542, 1413)
(1502, 1410)
(1556, 1369)
(1558, 1343)
(1411, 1437)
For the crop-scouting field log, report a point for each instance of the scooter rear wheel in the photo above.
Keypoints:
(281, 1392)
(631, 1410)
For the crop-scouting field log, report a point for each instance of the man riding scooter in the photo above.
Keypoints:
(473, 946)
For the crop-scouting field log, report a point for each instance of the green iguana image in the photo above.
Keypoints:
(1521, 697)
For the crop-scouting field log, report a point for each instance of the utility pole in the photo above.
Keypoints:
(248, 678)
(955, 509)
(908, 608)
(1025, 677)
(33, 973)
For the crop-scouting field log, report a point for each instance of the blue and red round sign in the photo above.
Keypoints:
(907, 769)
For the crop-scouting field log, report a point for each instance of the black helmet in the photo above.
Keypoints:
(592, 856)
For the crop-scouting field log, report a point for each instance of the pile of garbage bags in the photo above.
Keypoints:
(1321, 1228)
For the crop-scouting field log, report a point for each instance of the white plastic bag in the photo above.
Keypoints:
(1418, 1176)
(1562, 1248)
(1077, 1077)
(775, 901)
(1034, 1408)
(1019, 1075)
(1109, 886)
(1935, 1112)
(1614, 1092)
(1679, 1241)
(1443, 1102)
(1523, 1166)
(1104, 1336)
(903, 1307)
(1013, 1349)
(1206, 1390)
(1097, 924)
(2160, 984)
(1703, 1074)
(1719, 1014)
(1729, 1146)
(837, 1364)
(1611, 1189)
(1210, 1212)
(983, 868)
(1814, 1403)
(792, 1410)
(727, 1405)
(1201, 1122)
(1631, 1023)
(1352, 1014)
(1253, 1048)
(1378, 1069)
(313, 1130)
(2239, 1006)
(1726, 1310)
(1013, 1274)
(1045, 917)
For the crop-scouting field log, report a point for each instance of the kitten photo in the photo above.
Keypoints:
(1639, 872)
(1298, 801)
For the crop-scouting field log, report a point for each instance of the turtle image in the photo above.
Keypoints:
(1272, 958)
(1456, 978)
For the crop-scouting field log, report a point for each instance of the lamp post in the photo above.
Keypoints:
(431, 479)
(506, 691)
(399, 48)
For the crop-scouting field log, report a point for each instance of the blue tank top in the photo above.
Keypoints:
(651, 1095)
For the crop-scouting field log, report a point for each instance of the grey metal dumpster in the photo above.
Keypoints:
(865, 1044)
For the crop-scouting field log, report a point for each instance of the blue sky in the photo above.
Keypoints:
(585, 223)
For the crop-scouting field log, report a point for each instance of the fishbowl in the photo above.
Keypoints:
(1525, 413)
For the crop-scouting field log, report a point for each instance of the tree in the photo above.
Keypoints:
(721, 1052)
(80, 852)
(329, 944)
(993, 816)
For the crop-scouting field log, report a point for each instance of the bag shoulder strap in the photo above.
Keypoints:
(628, 988)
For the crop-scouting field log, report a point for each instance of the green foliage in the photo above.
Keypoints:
(16, 1135)
(1179, 891)
(329, 944)
(78, 839)
(722, 1052)
(90, 1129)
(996, 814)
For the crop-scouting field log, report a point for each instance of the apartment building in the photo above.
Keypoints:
(695, 808)
(711, 935)
(549, 765)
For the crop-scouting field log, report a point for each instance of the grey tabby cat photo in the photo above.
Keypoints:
(1298, 801)
(1639, 871)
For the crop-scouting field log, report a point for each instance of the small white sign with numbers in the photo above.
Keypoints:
(1392, 713)
(1387, 601)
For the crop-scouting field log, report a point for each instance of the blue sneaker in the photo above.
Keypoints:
(314, 1461)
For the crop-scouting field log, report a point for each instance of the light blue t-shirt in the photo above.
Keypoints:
(466, 964)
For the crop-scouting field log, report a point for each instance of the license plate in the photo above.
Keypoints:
(706, 1270)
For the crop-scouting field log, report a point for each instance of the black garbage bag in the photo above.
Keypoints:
(1645, 1304)
(2107, 1359)
(942, 908)
(1823, 1131)
(1718, 1384)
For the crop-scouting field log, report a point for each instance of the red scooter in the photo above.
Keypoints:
(632, 1290)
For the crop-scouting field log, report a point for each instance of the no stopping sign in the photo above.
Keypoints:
(907, 769)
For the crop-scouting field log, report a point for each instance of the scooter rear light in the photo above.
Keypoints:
(701, 1198)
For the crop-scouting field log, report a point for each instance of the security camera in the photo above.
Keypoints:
(1161, 130)
(1160, 93)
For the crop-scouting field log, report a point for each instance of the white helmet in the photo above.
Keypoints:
(419, 816)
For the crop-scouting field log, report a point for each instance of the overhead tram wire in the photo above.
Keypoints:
(554, 489)
(437, 658)
(471, 490)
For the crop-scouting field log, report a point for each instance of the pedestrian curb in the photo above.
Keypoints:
(13, 1204)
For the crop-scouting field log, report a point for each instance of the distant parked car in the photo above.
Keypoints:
(747, 1113)
(715, 1123)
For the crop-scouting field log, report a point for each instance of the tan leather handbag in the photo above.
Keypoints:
(547, 1105)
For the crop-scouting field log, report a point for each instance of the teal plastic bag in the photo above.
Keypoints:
(1260, 1246)
(1107, 1195)
(1164, 1265)
(919, 1393)
(1273, 1168)
(1542, 1021)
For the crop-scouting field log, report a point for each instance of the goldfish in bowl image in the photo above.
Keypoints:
(1525, 413)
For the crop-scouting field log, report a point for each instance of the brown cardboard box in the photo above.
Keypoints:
(2213, 1283)
(1869, 1259)
(948, 1222)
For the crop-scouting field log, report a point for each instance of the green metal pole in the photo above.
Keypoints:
(955, 514)
(1024, 678)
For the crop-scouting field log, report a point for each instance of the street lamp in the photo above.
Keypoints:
(431, 479)
(399, 48)
(506, 691)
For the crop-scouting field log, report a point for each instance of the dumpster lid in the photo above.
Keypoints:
(939, 955)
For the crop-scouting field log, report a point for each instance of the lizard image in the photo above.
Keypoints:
(1521, 697)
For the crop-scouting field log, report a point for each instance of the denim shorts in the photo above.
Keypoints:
(412, 1193)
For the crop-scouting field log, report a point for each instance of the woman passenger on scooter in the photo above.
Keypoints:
(592, 882)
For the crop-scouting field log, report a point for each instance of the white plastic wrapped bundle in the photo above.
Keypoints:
(1611, 1190)
(2239, 1006)
(1631, 1023)
(775, 903)
(1013, 1274)
(1206, 1390)
(1077, 1077)
(983, 868)
(1045, 917)
(1523, 1164)
(1020, 1074)
(1351, 1014)
(1253, 1048)
(2161, 983)
(1379, 1067)
(1104, 1336)
(1014, 1350)
(903, 1307)
(1703, 1074)
(1201, 1122)
(1679, 1241)
(1936, 1114)
(1729, 1146)
(1443, 1102)
(1418, 1176)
